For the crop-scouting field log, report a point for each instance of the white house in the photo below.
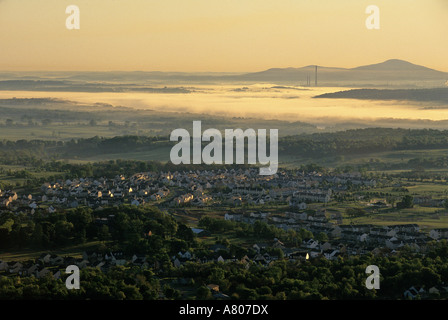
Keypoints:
(42, 273)
(331, 255)
(15, 268)
(185, 255)
(393, 243)
(413, 292)
(57, 275)
(312, 244)
(439, 233)
(336, 231)
(3, 266)
(177, 263)
(363, 237)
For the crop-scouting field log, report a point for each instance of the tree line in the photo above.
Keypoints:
(349, 142)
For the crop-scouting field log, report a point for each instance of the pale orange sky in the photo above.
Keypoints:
(219, 35)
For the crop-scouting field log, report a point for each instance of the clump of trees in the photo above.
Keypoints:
(259, 230)
(118, 283)
(355, 212)
(125, 225)
(406, 202)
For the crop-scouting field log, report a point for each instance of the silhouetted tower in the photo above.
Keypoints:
(315, 76)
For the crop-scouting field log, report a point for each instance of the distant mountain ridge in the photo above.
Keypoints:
(394, 64)
(389, 70)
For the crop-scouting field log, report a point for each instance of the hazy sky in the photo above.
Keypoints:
(219, 35)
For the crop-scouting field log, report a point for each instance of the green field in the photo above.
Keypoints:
(29, 254)
(426, 217)
(389, 157)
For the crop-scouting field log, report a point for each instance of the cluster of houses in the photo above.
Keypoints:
(353, 178)
(360, 238)
(245, 187)
(94, 193)
(259, 255)
(196, 188)
(7, 197)
(103, 192)
(56, 264)
(234, 187)
(41, 267)
(417, 292)
(311, 248)
(229, 186)
(439, 233)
